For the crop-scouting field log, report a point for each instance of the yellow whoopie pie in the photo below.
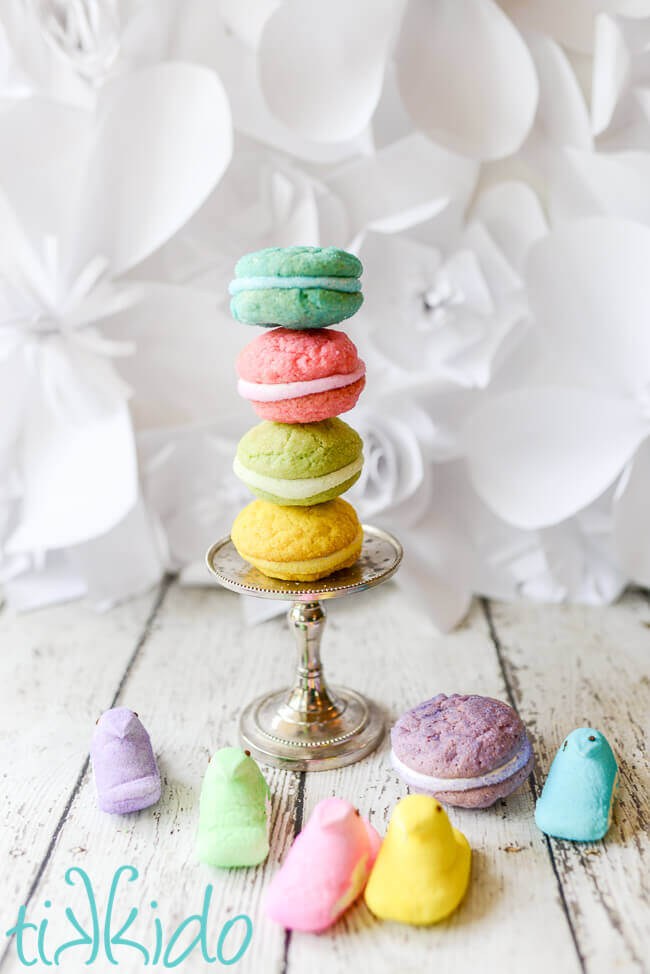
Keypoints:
(299, 544)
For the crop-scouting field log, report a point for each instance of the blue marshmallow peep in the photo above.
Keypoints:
(577, 800)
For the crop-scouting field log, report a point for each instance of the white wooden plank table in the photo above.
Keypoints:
(184, 660)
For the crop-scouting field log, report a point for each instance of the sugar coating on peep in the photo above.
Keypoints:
(325, 870)
(423, 867)
(234, 811)
(577, 800)
(124, 765)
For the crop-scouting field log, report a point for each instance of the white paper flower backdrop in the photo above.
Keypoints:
(490, 163)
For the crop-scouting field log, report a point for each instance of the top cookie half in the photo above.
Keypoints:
(296, 287)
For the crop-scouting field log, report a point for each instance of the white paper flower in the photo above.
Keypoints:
(399, 440)
(571, 562)
(66, 49)
(447, 314)
(79, 208)
(544, 452)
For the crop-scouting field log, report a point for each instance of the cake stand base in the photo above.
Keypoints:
(309, 727)
(274, 739)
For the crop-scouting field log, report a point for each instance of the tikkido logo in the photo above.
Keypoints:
(98, 941)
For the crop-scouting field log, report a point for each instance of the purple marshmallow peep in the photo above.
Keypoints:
(126, 773)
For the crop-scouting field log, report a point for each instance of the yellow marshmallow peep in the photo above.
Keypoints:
(422, 870)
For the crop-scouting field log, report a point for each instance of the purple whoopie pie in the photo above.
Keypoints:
(464, 749)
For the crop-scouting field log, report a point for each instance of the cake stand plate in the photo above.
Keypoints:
(310, 726)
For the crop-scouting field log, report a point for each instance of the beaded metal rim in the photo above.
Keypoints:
(380, 556)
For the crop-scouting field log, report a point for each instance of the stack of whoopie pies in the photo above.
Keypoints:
(299, 377)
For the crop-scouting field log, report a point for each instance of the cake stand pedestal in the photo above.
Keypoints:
(310, 726)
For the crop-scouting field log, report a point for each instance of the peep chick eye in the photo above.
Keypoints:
(97, 721)
(591, 737)
(356, 811)
(134, 713)
(564, 746)
(439, 808)
(247, 753)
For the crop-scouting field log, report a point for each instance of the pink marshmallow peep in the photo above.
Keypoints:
(294, 376)
(325, 870)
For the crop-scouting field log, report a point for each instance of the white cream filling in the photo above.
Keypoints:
(296, 490)
(277, 391)
(494, 777)
(348, 284)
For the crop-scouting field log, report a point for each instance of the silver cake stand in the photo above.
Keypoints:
(310, 726)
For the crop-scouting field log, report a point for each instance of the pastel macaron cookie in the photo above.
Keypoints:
(299, 464)
(464, 750)
(298, 287)
(294, 376)
(299, 544)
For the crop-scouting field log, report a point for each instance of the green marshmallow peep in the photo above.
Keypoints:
(234, 813)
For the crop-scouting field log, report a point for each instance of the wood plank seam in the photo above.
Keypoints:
(299, 809)
(140, 642)
(532, 781)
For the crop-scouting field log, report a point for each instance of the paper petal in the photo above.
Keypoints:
(394, 466)
(537, 456)
(611, 71)
(164, 142)
(445, 600)
(196, 574)
(458, 63)
(203, 35)
(630, 518)
(42, 175)
(39, 66)
(386, 190)
(339, 63)
(617, 183)
(588, 289)
(80, 478)
(127, 560)
(15, 385)
(189, 485)
(246, 18)
(434, 570)
(570, 24)
(183, 370)
(623, 8)
(562, 115)
(582, 563)
(513, 215)
(56, 582)
(256, 611)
